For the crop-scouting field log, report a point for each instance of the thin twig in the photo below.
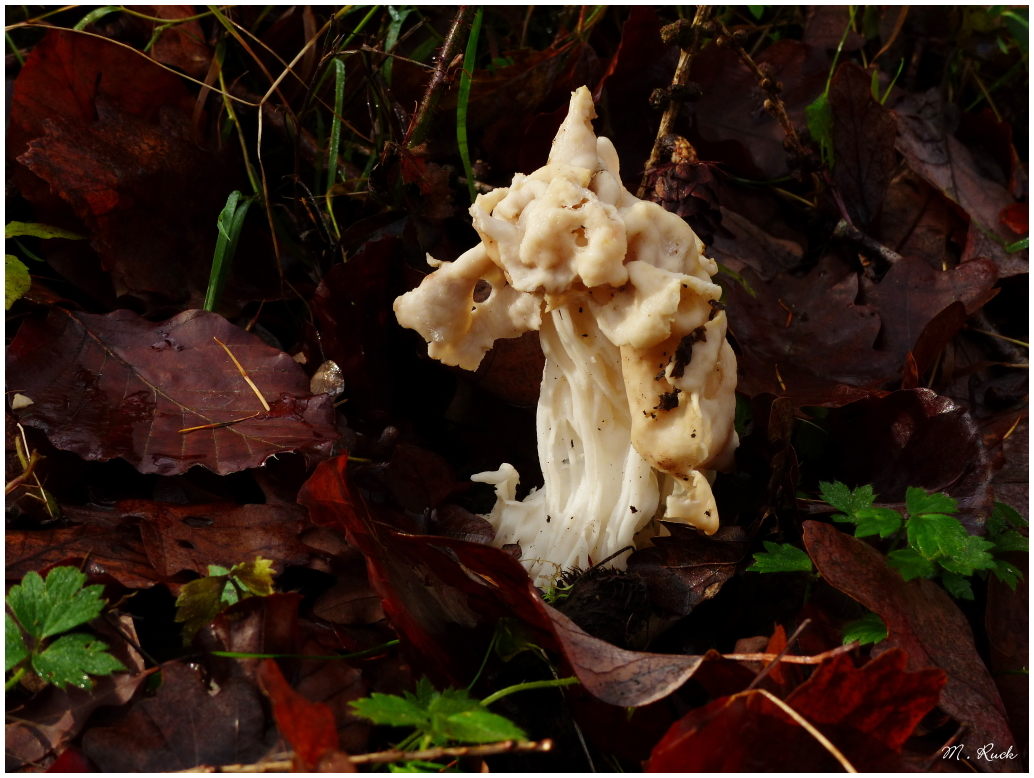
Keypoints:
(675, 100)
(384, 757)
(789, 644)
(251, 383)
(216, 425)
(18, 480)
(768, 83)
(848, 232)
(1000, 337)
(811, 730)
(421, 121)
(794, 660)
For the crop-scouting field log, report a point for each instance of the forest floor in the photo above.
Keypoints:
(240, 530)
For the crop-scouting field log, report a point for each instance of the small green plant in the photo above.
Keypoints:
(781, 558)
(202, 600)
(449, 716)
(938, 545)
(39, 612)
(446, 717)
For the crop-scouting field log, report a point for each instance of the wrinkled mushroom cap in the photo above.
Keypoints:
(570, 236)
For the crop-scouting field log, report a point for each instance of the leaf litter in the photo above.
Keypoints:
(881, 344)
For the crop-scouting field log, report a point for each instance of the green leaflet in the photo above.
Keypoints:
(781, 559)
(868, 629)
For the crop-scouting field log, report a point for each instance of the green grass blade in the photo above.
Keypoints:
(464, 96)
(229, 224)
(17, 54)
(335, 125)
(94, 15)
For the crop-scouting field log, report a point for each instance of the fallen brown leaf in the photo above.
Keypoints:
(921, 619)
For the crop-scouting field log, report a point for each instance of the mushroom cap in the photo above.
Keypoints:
(570, 236)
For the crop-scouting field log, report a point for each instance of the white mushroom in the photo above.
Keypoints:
(637, 400)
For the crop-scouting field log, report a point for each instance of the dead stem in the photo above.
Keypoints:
(251, 383)
(766, 80)
(218, 424)
(778, 657)
(384, 757)
(688, 38)
(809, 728)
(439, 82)
(848, 232)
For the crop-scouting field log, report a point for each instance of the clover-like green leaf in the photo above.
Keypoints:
(839, 496)
(72, 659)
(974, 556)
(934, 534)
(919, 501)
(781, 559)
(56, 605)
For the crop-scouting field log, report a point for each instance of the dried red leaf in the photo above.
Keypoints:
(192, 537)
(921, 619)
(184, 725)
(741, 243)
(913, 293)
(863, 140)
(867, 713)
(309, 727)
(1016, 217)
(71, 760)
(334, 683)
(935, 335)
(98, 124)
(687, 567)
(121, 386)
(181, 45)
(949, 166)
(919, 221)
(117, 551)
(256, 625)
(808, 338)
(512, 369)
